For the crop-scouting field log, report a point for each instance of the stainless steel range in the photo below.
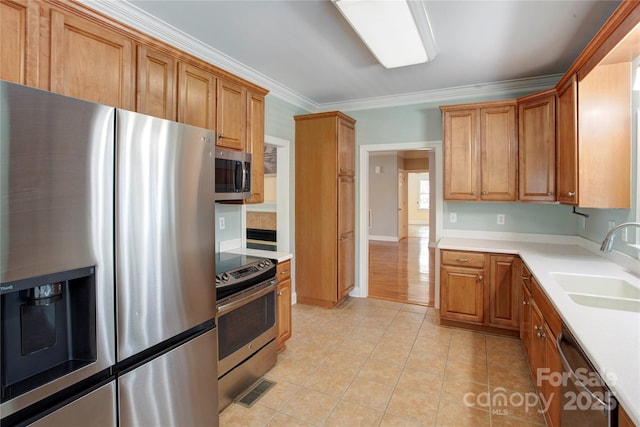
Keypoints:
(246, 319)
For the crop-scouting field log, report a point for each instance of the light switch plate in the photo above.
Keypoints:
(500, 219)
(453, 217)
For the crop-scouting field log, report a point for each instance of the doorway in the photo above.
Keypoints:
(366, 220)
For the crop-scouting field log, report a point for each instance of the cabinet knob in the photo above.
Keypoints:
(279, 293)
(473, 193)
(480, 278)
(541, 335)
(221, 135)
(284, 272)
(571, 193)
(525, 303)
(484, 193)
(462, 259)
(550, 193)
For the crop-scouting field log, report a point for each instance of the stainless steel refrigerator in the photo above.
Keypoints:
(165, 272)
(107, 256)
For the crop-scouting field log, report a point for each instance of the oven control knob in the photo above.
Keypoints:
(225, 277)
(267, 262)
(217, 280)
(260, 265)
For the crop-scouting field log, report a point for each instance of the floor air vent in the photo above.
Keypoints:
(256, 391)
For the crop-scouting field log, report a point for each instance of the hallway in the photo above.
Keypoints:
(403, 271)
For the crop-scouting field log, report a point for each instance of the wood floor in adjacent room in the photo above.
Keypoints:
(403, 271)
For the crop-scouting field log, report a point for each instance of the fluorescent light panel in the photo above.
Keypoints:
(396, 31)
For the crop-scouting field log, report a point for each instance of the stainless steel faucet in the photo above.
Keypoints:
(607, 243)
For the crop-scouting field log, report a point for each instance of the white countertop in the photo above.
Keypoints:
(610, 338)
(280, 256)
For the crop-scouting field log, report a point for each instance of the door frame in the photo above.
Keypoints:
(362, 238)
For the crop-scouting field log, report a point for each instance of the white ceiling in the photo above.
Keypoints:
(306, 48)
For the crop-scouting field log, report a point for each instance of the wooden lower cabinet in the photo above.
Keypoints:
(283, 303)
(480, 289)
(540, 345)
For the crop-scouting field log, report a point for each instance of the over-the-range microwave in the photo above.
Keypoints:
(233, 175)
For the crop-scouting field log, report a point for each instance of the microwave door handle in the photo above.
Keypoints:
(238, 177)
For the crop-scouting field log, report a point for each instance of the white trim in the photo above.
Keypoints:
(362, 285)
(384, 238)
(135, 17)
(448, 95)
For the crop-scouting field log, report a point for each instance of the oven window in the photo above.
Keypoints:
(239, 327)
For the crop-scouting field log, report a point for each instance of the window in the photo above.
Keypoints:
(423, 188)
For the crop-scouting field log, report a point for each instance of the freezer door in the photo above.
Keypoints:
(178, 388)
(96, 409)
(165, 244)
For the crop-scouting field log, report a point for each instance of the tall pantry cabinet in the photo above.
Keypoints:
(325, 198)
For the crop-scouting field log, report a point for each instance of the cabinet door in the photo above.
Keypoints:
(346, 147)
(504, 291)
(156, 84)
(604, 137)
(19, 42)
(460, 154)
(231, 102)
(567, 144)
(552, 389)
(537, 347)
(537, 149)
(525, 320)
(346, 243)
(91, 62)
(283, 308)
(462, 294)
(498, 153)
(255, 145)
(197, 96)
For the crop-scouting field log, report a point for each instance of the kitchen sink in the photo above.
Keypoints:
(602, 286)
(604, 302)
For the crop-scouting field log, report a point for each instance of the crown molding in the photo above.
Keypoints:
(137, 18)
(439, 96)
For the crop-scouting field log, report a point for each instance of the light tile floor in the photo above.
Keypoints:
(371, 362)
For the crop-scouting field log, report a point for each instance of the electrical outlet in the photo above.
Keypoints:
(500, 219)
(453, 217)
(221, 222)
(611, 224)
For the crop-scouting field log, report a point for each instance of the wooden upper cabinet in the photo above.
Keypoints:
(480, 144)
(567, 143)
(537, 147)
(255, 145)
(231, 104)
(346, 150)
(498, 153)
(156, 84)
(604, 137)
(19, 42)
(91, 62)
(196, 96)
(460, 154)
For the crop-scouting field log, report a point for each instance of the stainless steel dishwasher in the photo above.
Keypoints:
(586, 399)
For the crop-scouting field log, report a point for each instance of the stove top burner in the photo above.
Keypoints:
(226, 262)
(235, 272)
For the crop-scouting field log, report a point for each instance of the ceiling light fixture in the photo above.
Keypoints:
(397, 32)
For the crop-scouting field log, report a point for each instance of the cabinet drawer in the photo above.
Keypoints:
(463, 259)
(283, 270)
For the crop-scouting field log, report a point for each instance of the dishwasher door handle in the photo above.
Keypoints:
(572, 373)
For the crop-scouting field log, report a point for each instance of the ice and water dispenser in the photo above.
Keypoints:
(48, 329)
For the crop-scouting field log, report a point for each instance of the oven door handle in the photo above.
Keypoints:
(247, 298)
(572, 373)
